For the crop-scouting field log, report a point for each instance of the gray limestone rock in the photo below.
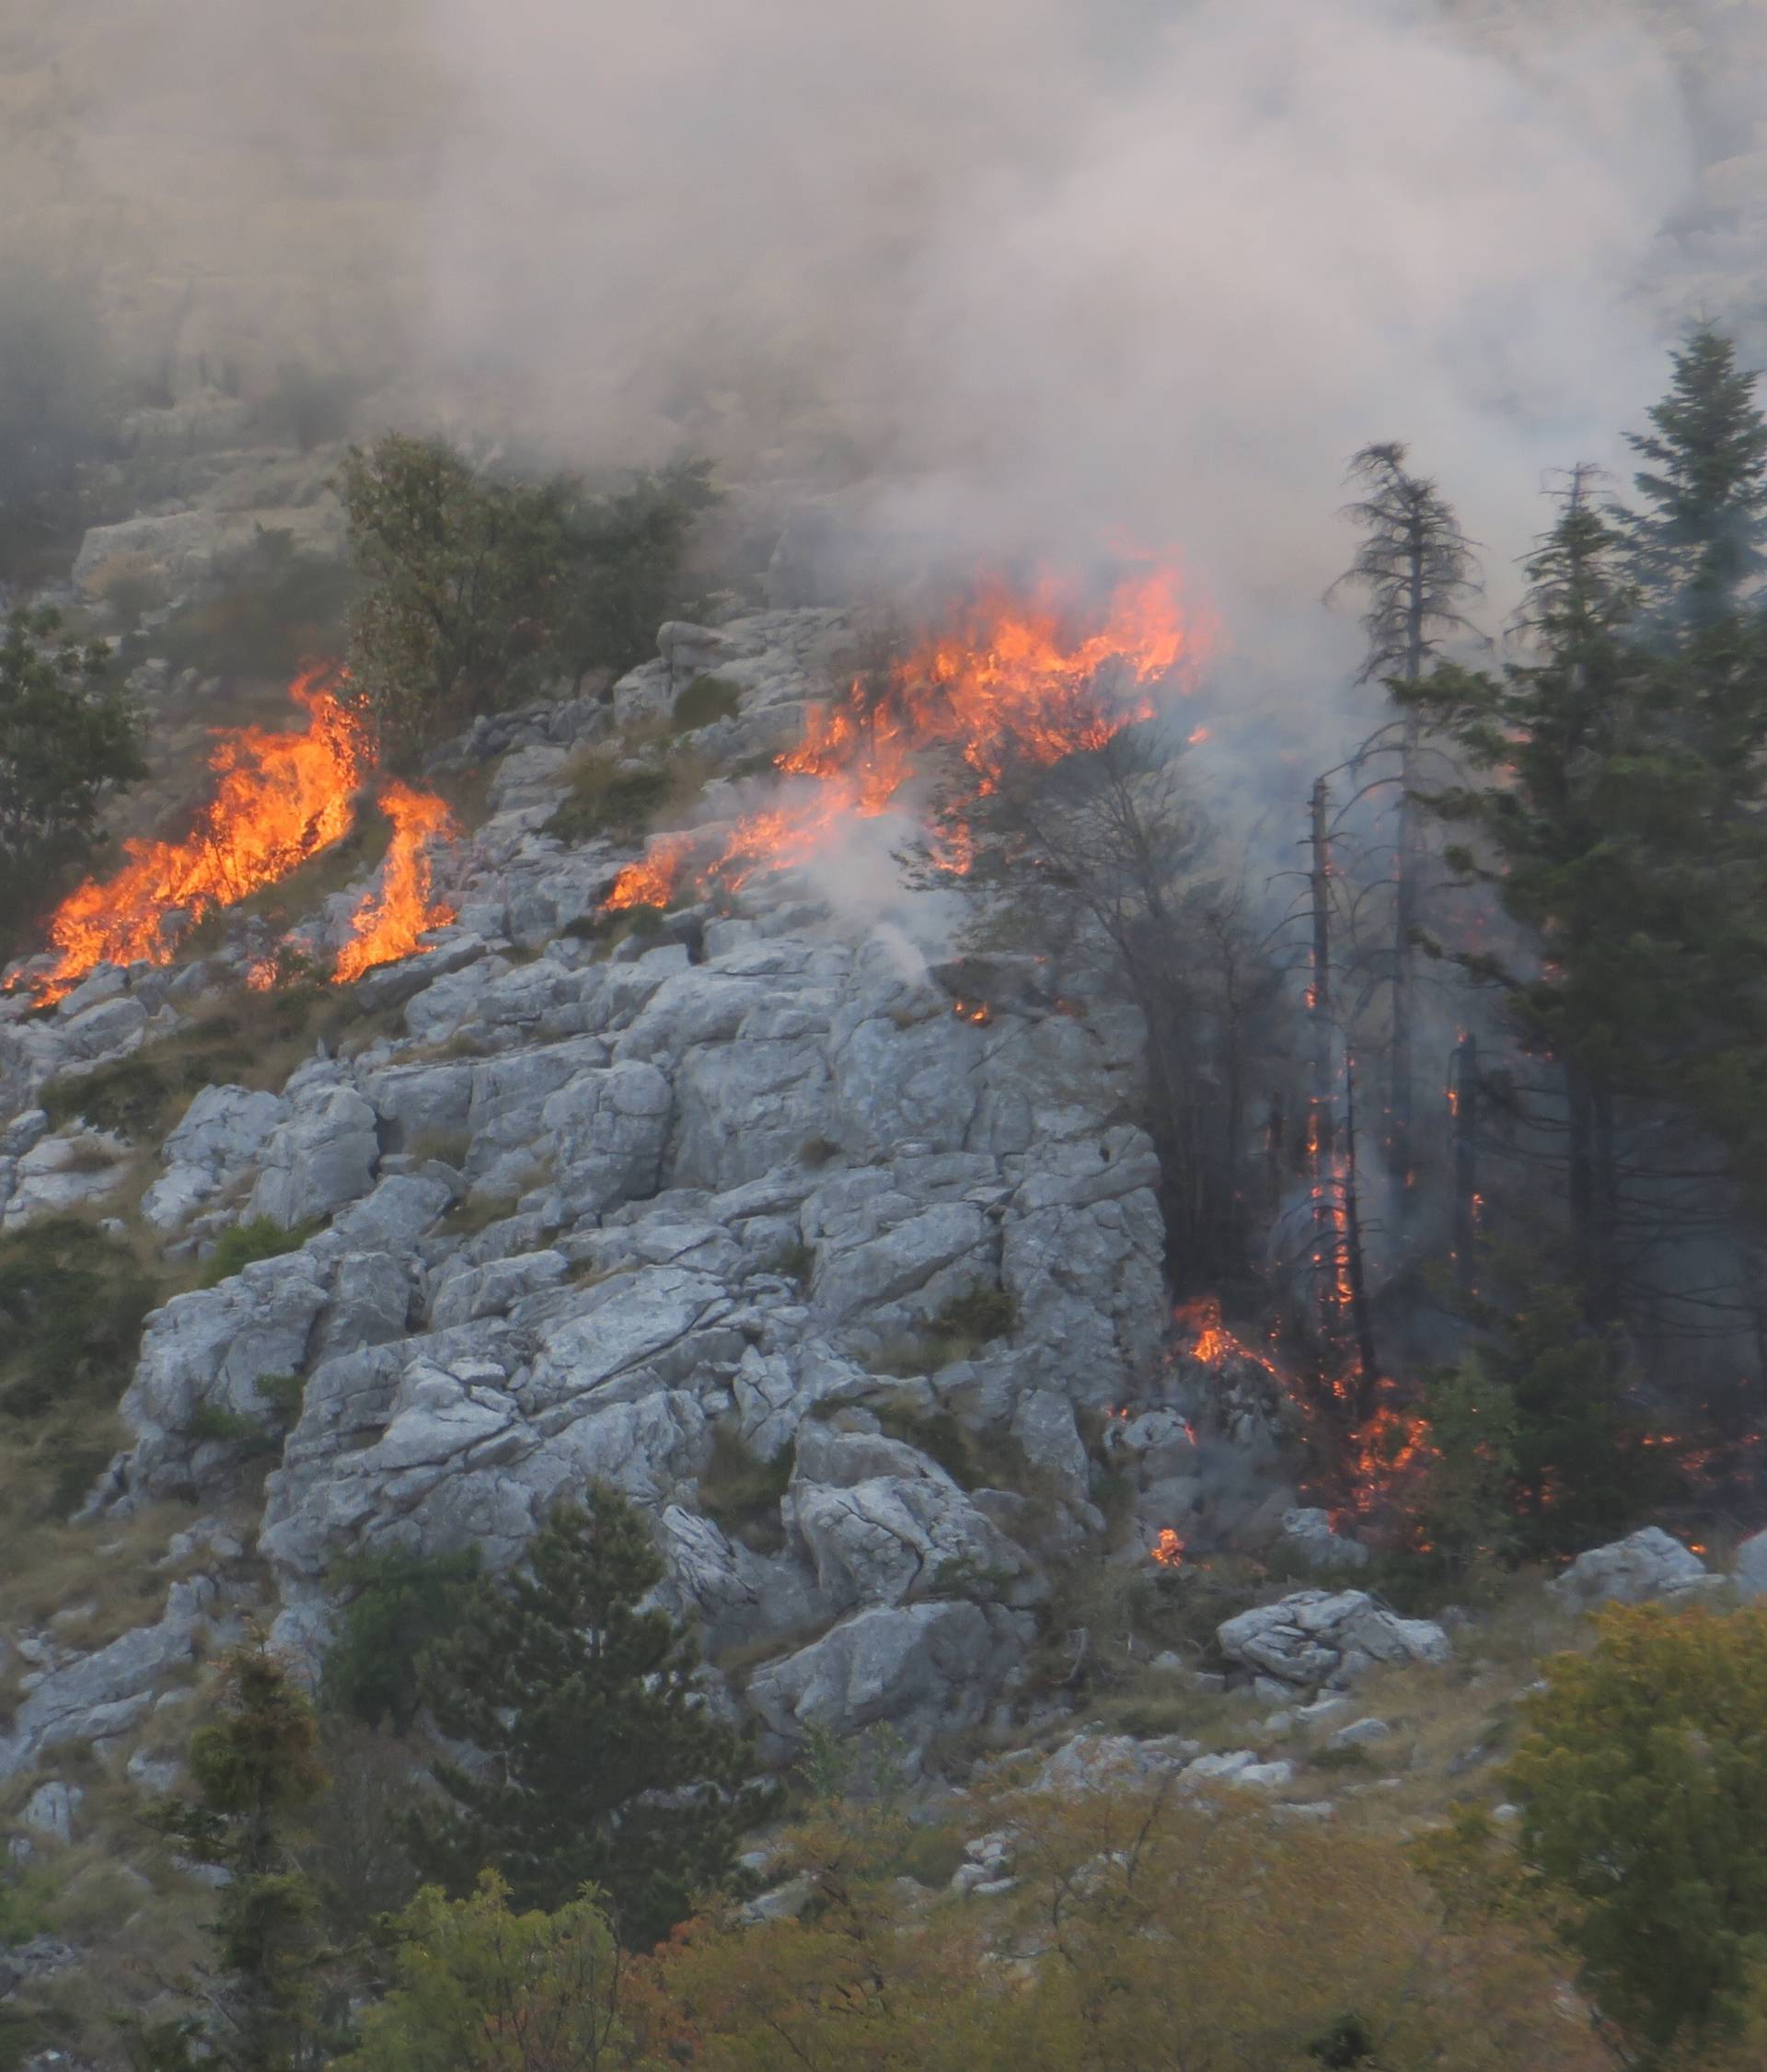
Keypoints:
(1318, 1637)
(1646, 1564)
(923, 1668)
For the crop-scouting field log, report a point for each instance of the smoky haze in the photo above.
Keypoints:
(1042, 275)
(1052, 275)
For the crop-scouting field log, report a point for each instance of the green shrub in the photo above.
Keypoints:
(261, 1238)
(215, 1424)
(741, 1491)
(1643, 1787)
(282, 1393)
(797, 1263)
(128, 1097)
(607, 800)
(981, 1314)
(399, 1603)
(705, 700)
(72, 1301)
(939, 1437)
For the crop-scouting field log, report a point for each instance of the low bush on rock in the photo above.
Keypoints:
(129, 1097)
(608, 801)
(704, 701)
(260, 1238)
(72, 1303)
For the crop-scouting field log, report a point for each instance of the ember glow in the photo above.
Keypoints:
(1213, 1344)
(1011, 679)
(280, 799)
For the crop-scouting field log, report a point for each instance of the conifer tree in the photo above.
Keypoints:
(601, 1764)
(257, 1772)
(1553, 841)
(1417, 570)
(1698, 542)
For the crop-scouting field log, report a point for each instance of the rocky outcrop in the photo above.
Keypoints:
(1645, 1565)
(1327, 1638)
(94, 1696)
(748, 1191)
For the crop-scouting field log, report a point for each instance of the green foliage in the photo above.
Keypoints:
(626, 551)
(1460, 1512)
(1697, 544)
(1581, 1468)
(462, 576)
(609, 800)
(741, 1491)
(1644, 1793)
(479, 1988)
(704, 701)
(981, 1314)
(128, 1096)
(474, 584)
(399, 1603)
(67, 737)
(602, 1764)
(215, 1424)
(72, 1301)
(260, 1237)
(256, 1775)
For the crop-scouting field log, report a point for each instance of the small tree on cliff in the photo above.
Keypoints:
(67, 738)
(462, 575)
(602, 1763)
(257, 1774)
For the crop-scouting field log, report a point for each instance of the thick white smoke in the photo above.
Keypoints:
(1051, 275)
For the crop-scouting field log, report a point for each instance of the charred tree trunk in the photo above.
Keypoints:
(1355, 1279)
(1321, 1134)
(1466, 1159)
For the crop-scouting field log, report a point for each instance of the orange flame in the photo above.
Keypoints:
(1010, 679)
(388, 921)
(1167, 1550)
(280, 798)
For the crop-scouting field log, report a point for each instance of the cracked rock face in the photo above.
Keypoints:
(605, 1217)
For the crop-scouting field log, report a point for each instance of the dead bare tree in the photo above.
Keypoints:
(1416, 569)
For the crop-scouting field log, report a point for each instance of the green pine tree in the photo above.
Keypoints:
(257, 1772)
(601, 1763)
(1698, 541)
